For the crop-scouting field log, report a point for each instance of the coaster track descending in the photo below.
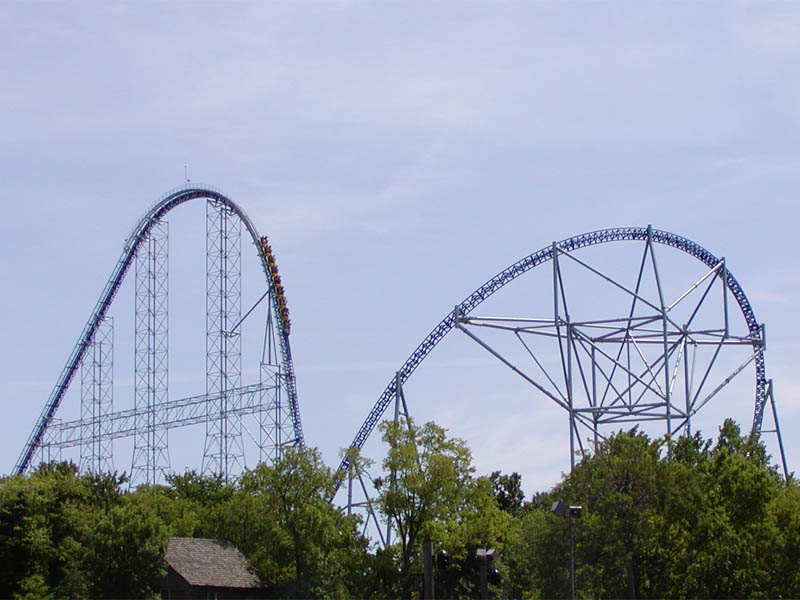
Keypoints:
(644, 234)
(134, 241)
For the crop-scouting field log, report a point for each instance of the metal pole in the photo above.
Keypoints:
(398, 394)
(663, 310)
(571, 402)
(484, 580)
(427, 562)
(595, 414)
(571, 560)
(771, 395)
(350, 490)
(725, 295)
(686, 385)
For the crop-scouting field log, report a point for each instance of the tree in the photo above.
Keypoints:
(784, 509)
(280, 518)
(711, 520)
(428, 474)
(62, 535)
(477, 522)
(429, 489)
(181, 516)
(508, 491)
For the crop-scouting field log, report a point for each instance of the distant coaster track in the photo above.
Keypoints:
(536, 259)
(139, 233)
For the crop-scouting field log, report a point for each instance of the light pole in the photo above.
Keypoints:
(427, 563)
(560, 509)
(484, 556)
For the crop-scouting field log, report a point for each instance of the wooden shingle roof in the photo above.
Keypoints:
(213, 563)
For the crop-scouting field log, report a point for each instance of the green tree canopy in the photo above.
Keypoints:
(709, 518)
(429, 489)
(280, 518)
(62, 536)
(712, 520)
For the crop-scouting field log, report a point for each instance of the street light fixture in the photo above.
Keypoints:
(560, 509)
(484, 556)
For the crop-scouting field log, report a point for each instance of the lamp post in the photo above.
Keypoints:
(560, 509)
(427, 564)
(484, 556)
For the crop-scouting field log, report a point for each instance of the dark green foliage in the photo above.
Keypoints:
(508, 491)
(429, 488)
(280, 518)
(701, 518)
(62, 535)
(711, 520)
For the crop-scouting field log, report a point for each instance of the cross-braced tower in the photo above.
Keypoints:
(226, 408)
(97, 399)
(224, 453)
(275, 417)
(150, 444)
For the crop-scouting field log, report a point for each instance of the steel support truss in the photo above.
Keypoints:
(636, 366)
(357, 474)
(175, 413)
(276, 428)
(652, 361)
(615, 388)
(97, 400)
(50, 449)
(224, 452)
(150, 444)
(272, 402)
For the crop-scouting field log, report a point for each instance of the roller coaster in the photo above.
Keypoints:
(273, 400)
(653, 353)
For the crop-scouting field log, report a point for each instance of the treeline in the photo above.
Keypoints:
(697, 519)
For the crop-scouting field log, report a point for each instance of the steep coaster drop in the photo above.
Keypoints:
(272, 401)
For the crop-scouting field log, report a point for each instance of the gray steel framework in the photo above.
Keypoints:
(275, 423)
(150, 459)
(569, 342)
(50, 450)
(97, 400)
(224, 452)
(645, 363)
(175, 414)
(48, 436)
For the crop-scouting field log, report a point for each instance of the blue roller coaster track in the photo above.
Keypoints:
(139, 233)
(533, 260)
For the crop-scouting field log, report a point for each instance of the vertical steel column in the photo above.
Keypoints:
(777, 432)
(595, 413)
(398, 398)
(275, 420)
(665, 339)
(150, 444)
(97, 399)
(50, 450)
(687, 380)
(224, 452)
(566, 361)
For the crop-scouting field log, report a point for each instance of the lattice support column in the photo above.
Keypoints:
(97, 400)
(275, 419)
(224, 452)
(50, 450)
(150, 444)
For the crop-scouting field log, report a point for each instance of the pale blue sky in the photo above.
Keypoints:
(398, 155)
